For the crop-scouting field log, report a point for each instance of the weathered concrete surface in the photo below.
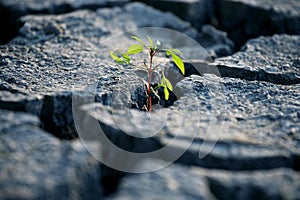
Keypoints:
(241, 125)
(240, 133)
(250, 124)
(274, 59)
(199, 183)
(11, 10)
(198, 12)
(55, 54)
(36, 165)
(173, 182)
(215, 42)
(258, 118)
(241, 19)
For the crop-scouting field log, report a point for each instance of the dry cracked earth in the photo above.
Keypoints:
(232, 126)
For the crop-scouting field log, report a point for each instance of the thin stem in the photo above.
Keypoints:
(150, 72)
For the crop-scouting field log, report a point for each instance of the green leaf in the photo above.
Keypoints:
(135, 48)
(115, 57)
(158, 86)
(179, 63)
(168, 52)
(150, 42)
(126, 57)
(176, 51)
(138, 39)
(166, 92)
(166, 82)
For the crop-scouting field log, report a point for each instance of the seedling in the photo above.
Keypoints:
(153, 49)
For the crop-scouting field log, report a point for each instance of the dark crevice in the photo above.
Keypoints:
(296, 163)
(110, 179)
(54, 111)
(9, 25)
(128, 142)
(200, 68)
(261, 75)
(139, 98)
(236, 163)
(56, 116)
(237, 191)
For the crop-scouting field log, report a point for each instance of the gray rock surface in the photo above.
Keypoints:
(215, 42)
(274, 59)
(240, 125)
(36, 165)
(55, 6)
(258, 120)
(168, 183)
(198, 12)
(235, 135)
(241, 19)
(11, 10)
(54, 54)
(271, 184)
(200, 183)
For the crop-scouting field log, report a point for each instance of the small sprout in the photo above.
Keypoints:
(150, 43)
(124, 58)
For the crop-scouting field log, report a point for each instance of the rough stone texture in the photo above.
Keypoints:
(271, 184)
(258, 118)
(55, 6)
(274, 59)
(198, 12)
(241, 132)
(55, 54)
(257, 121)
(11, 10)
(36, 165)
(200, 183)
(215, 42)
(243, 19)
(168, 183)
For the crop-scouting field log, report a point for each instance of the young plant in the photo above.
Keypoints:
(153, 49)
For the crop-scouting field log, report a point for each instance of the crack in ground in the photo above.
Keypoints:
(201, 67)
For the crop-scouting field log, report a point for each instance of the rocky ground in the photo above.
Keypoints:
(231, 130)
